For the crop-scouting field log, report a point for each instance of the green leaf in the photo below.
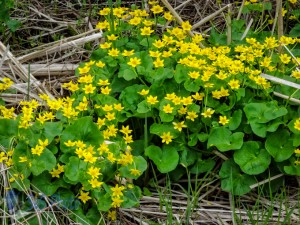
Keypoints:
(13, 25)
(263, 112)
(180, 73)
(83, 129)
(292, 169)
(203, 166)
(52, 129)
(188, 157)
(103, 200)
(280, 145)
(127, 72)
(44, 184)
(251, 158)
(192, 85)
(46, 161)
(8, 130)
(292, 128)
(235, 119)
(159, 129)
(166, 159)
(75, 169)
(232, 180)
(131, 197)
(295, 31)
(224, 139)
(143, 107)
(162, 74)
(139, 163)
(202, 137)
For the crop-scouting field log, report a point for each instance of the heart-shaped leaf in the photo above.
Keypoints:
(280, 145)
(166, 159)
(251, 158)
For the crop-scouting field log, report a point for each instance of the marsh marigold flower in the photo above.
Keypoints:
(166, 137)
(297, 124)
(134, 62)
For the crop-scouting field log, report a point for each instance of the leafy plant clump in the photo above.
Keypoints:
(162, 98)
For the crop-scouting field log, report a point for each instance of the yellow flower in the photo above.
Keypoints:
(182, 110)
(112, 37)
(118, 107)
(198, 96)
(105, 45)
(223, 120)
(158, 63)
(100, 122)
(166, 137)
(167, 108)
(89, 89)
(107, 108)
(191, 115)
(296, 74)
(234, 84)
(112, 215)
(208, 113)
(37, 150)
(125, 130)
(110, 116)
(94, 172)
(194, 74)
(186, 26)
(155, 54)
(55, 173)
(134, 62)
(135, 172)
(179, 125)
(100, 64)
(104, 11)
(113, 52)
(3, 157)
(95, 183)
(128, 53)
(170, 96)
(157, 9)
(144, 92)
(128, 139)
(103, 82)
(84, 196)
(293, 1)
(297, 124)
(105, 90)
(135, 21)
(158, 44)
(168, 16)
(116, 202)
(152, 99)
(285, 59)
(117, 191)
(297, 151)
(21, 158)
(146, 31)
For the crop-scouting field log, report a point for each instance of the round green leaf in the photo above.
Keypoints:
(252, 159)
(139, 163)
(166, 159)
(46, 161)
(83, 129)
(8, 130)
(75, 169)
(280, 145)
(232, 180)
(224, 139)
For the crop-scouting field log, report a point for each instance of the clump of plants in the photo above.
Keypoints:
(144, 97)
